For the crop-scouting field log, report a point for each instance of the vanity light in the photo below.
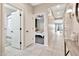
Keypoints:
(58, 12)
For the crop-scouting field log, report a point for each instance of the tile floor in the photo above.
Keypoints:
(39, 49)
(33, 50)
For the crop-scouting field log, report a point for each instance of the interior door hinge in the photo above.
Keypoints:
(20, 28)
(20, 42)
(20, 14)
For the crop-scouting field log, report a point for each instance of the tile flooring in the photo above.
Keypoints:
(33, 50)
(39, 49)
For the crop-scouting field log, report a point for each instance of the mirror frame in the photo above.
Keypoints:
(76, 12)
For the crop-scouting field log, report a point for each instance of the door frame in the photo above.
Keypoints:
(4, 31)
(45, 27)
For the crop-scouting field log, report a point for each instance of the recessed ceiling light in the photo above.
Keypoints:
(35, 4)
(58, 6)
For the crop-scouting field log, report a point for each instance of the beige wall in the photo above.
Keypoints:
(0, 31)
(50, 29)
(29, 26)
(76, 25)
(68, 22)
(71, 25)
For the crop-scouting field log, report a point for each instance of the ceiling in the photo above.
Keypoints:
(35, 4)
(58, 10)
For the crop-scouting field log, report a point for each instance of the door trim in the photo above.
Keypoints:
(45, 27)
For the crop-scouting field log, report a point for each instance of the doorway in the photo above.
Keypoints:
(39, 29)
(58, 28)
(12, 28)
(56, 38)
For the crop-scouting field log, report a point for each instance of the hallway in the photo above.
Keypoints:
(41, 30)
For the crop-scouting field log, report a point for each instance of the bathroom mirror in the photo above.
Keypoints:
(77, 12)
(39, 29)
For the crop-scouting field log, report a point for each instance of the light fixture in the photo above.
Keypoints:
(58, 10)
(69, 10)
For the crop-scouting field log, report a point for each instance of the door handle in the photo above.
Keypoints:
(11, 31)
(27, 31)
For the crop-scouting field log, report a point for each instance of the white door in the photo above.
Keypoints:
(14, 28)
